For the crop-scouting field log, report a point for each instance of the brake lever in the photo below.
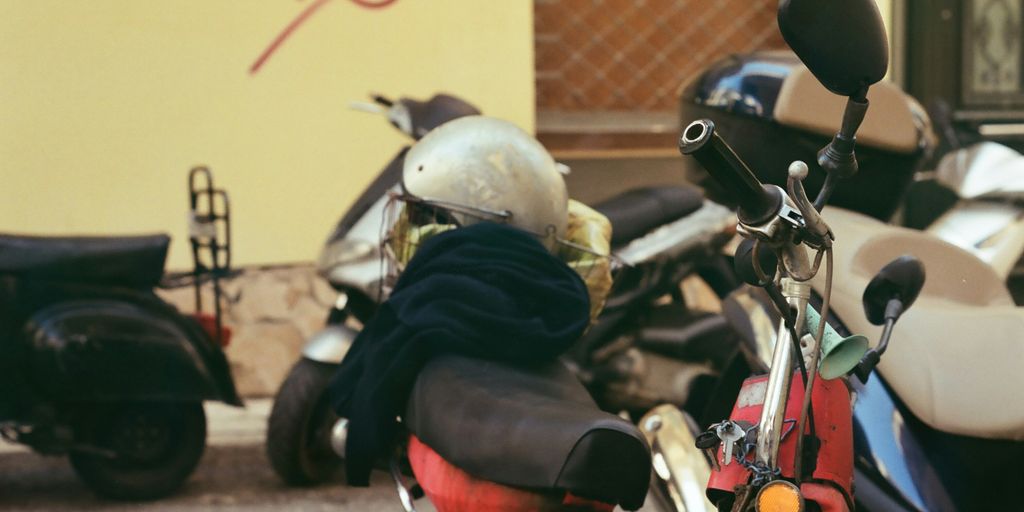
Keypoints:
(820, 235)
(396, 112)
(364, 106)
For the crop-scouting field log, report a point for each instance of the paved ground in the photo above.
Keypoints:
(233, 475)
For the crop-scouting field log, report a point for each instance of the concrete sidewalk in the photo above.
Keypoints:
(234, 474)
(226, 425)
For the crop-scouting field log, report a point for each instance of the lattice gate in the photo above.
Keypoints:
(632, 55)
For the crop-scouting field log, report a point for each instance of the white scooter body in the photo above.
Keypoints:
(988, 221)
(955, 357)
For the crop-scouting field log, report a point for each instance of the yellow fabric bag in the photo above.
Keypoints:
(590, 230)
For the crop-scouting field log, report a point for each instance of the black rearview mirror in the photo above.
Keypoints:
(901, 279)
(842, 42)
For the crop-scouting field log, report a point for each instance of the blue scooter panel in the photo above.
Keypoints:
(88, 350)
(888, 451)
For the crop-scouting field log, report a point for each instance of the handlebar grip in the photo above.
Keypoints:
(757, 202)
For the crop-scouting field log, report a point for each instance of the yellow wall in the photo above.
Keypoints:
(105, 104)
(885, 7)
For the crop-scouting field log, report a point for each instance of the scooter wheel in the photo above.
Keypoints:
(299, 428)
(139, 451)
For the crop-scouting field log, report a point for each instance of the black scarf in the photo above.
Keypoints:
(487, 290)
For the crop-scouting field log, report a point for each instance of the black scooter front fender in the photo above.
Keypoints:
(105, 350)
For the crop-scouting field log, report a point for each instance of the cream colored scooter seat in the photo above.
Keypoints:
(956, 358)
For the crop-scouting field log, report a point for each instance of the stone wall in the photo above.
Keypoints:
(271, 311)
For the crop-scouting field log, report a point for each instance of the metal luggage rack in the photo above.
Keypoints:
(209, 231)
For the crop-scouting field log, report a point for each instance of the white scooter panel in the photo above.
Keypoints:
(988, 221)
(956, 357)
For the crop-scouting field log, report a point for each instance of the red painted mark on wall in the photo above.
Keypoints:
(302, 18)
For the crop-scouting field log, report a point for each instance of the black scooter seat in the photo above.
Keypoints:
(134, 261)
(534, 428)
(638, 211)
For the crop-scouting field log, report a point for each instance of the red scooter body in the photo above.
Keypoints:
(451, 489)
(832, 483)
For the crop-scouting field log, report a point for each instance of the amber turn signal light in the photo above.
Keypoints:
(780, 496)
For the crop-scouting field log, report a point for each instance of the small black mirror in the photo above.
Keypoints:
(901, 279)
(842, 42)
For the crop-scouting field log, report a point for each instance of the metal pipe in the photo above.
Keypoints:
(680, 468)
(773, 411)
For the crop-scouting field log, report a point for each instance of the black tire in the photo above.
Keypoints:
(299, 427)
(151, 448)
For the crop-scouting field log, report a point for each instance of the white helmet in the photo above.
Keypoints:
(483, 167)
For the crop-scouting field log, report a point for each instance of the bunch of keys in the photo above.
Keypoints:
(727, 433)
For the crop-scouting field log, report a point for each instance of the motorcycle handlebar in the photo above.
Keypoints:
(757, 203)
